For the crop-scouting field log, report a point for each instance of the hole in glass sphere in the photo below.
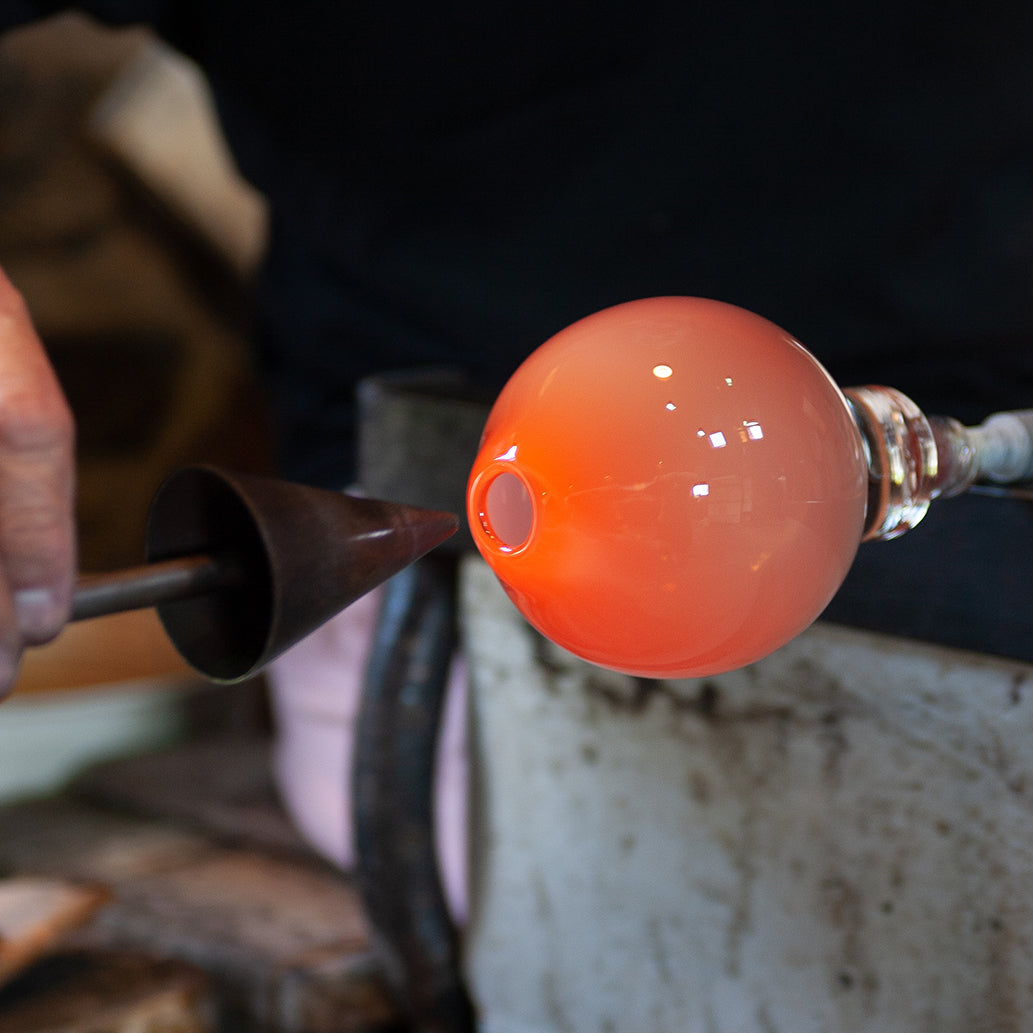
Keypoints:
(508, 510)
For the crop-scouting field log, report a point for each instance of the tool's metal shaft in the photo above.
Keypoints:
(137, 587)
(1002, 491)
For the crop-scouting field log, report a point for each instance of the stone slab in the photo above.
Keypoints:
(836, 839)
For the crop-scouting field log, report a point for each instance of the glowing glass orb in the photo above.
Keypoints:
(672, 487)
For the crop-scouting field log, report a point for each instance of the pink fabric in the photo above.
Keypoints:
(315, 689)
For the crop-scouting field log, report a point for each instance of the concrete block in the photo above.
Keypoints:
(834, 840)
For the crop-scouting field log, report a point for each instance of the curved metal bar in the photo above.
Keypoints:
(397, 868)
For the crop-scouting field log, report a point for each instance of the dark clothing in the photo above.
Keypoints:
(452, 183)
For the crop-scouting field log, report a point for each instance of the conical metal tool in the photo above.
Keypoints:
(242, 567)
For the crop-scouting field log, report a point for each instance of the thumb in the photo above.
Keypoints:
(37, 538)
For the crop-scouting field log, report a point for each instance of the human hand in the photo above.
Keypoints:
(37, 483)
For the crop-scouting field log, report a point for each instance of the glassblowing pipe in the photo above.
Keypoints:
(913, 458)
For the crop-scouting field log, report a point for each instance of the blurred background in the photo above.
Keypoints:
(459, 183)
(447, 190)
(125, 225)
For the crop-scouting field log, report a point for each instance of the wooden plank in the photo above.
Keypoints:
(281, 934)
(94, 652)
(278, 935)
(222, 786)
(87, 992)
(35, 913)
(65, 839)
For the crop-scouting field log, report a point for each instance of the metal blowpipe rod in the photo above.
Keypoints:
(186, 577)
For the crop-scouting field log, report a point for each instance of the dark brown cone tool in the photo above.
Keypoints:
(242, 567)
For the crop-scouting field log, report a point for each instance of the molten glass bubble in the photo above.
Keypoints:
(672, 487)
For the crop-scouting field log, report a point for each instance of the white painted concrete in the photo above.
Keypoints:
(836, 840)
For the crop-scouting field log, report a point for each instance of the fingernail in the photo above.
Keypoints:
(38, 612)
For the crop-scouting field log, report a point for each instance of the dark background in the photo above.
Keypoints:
(452, 183)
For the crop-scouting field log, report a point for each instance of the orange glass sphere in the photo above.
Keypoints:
(671, 487)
